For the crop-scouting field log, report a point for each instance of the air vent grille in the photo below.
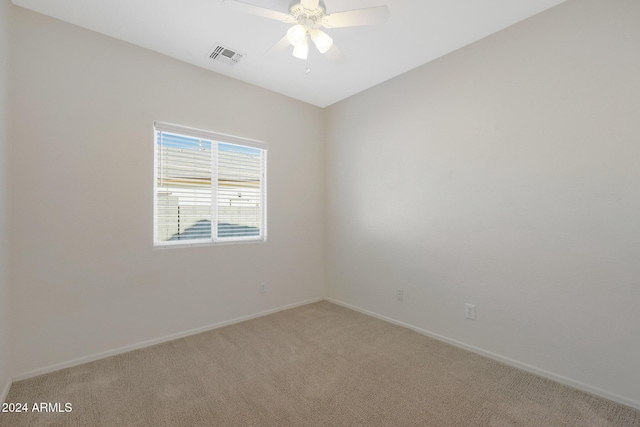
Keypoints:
(225, 55)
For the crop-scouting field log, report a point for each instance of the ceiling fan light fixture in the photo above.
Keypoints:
(302, 50)
(322, 40)
(306, 18)
(297, 35)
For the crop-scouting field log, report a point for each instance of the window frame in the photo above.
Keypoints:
(214, 138)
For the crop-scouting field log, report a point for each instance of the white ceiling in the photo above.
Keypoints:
(417, 32)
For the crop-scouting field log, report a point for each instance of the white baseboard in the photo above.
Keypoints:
(125, 349)
(5, 391)
(511, 362)
(507, 361)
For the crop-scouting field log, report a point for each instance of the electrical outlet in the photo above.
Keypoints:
(400, 295)
(263, 287)
(470, 311)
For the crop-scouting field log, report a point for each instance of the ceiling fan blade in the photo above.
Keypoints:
(357, 17)
(252, 9)
(310, 4)
(334, 55)
(280, 46)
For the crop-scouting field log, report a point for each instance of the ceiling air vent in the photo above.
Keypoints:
(224, 54)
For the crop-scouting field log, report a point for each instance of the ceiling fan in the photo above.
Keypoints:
(308, 17)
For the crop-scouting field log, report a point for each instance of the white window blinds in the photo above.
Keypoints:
(204, 179)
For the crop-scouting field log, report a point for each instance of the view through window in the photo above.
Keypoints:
(203, 178)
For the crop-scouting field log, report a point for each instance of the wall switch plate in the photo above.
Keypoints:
(470, 311)
(400, 295)
(263, 287)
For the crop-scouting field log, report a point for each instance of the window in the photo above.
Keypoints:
(203, 178)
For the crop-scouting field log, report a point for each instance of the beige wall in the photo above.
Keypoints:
(504, 175)
(86, 277)
(5, 372)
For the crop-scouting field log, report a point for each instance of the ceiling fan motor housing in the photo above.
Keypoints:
(310, 18)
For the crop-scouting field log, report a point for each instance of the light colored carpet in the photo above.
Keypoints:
(319, 364)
